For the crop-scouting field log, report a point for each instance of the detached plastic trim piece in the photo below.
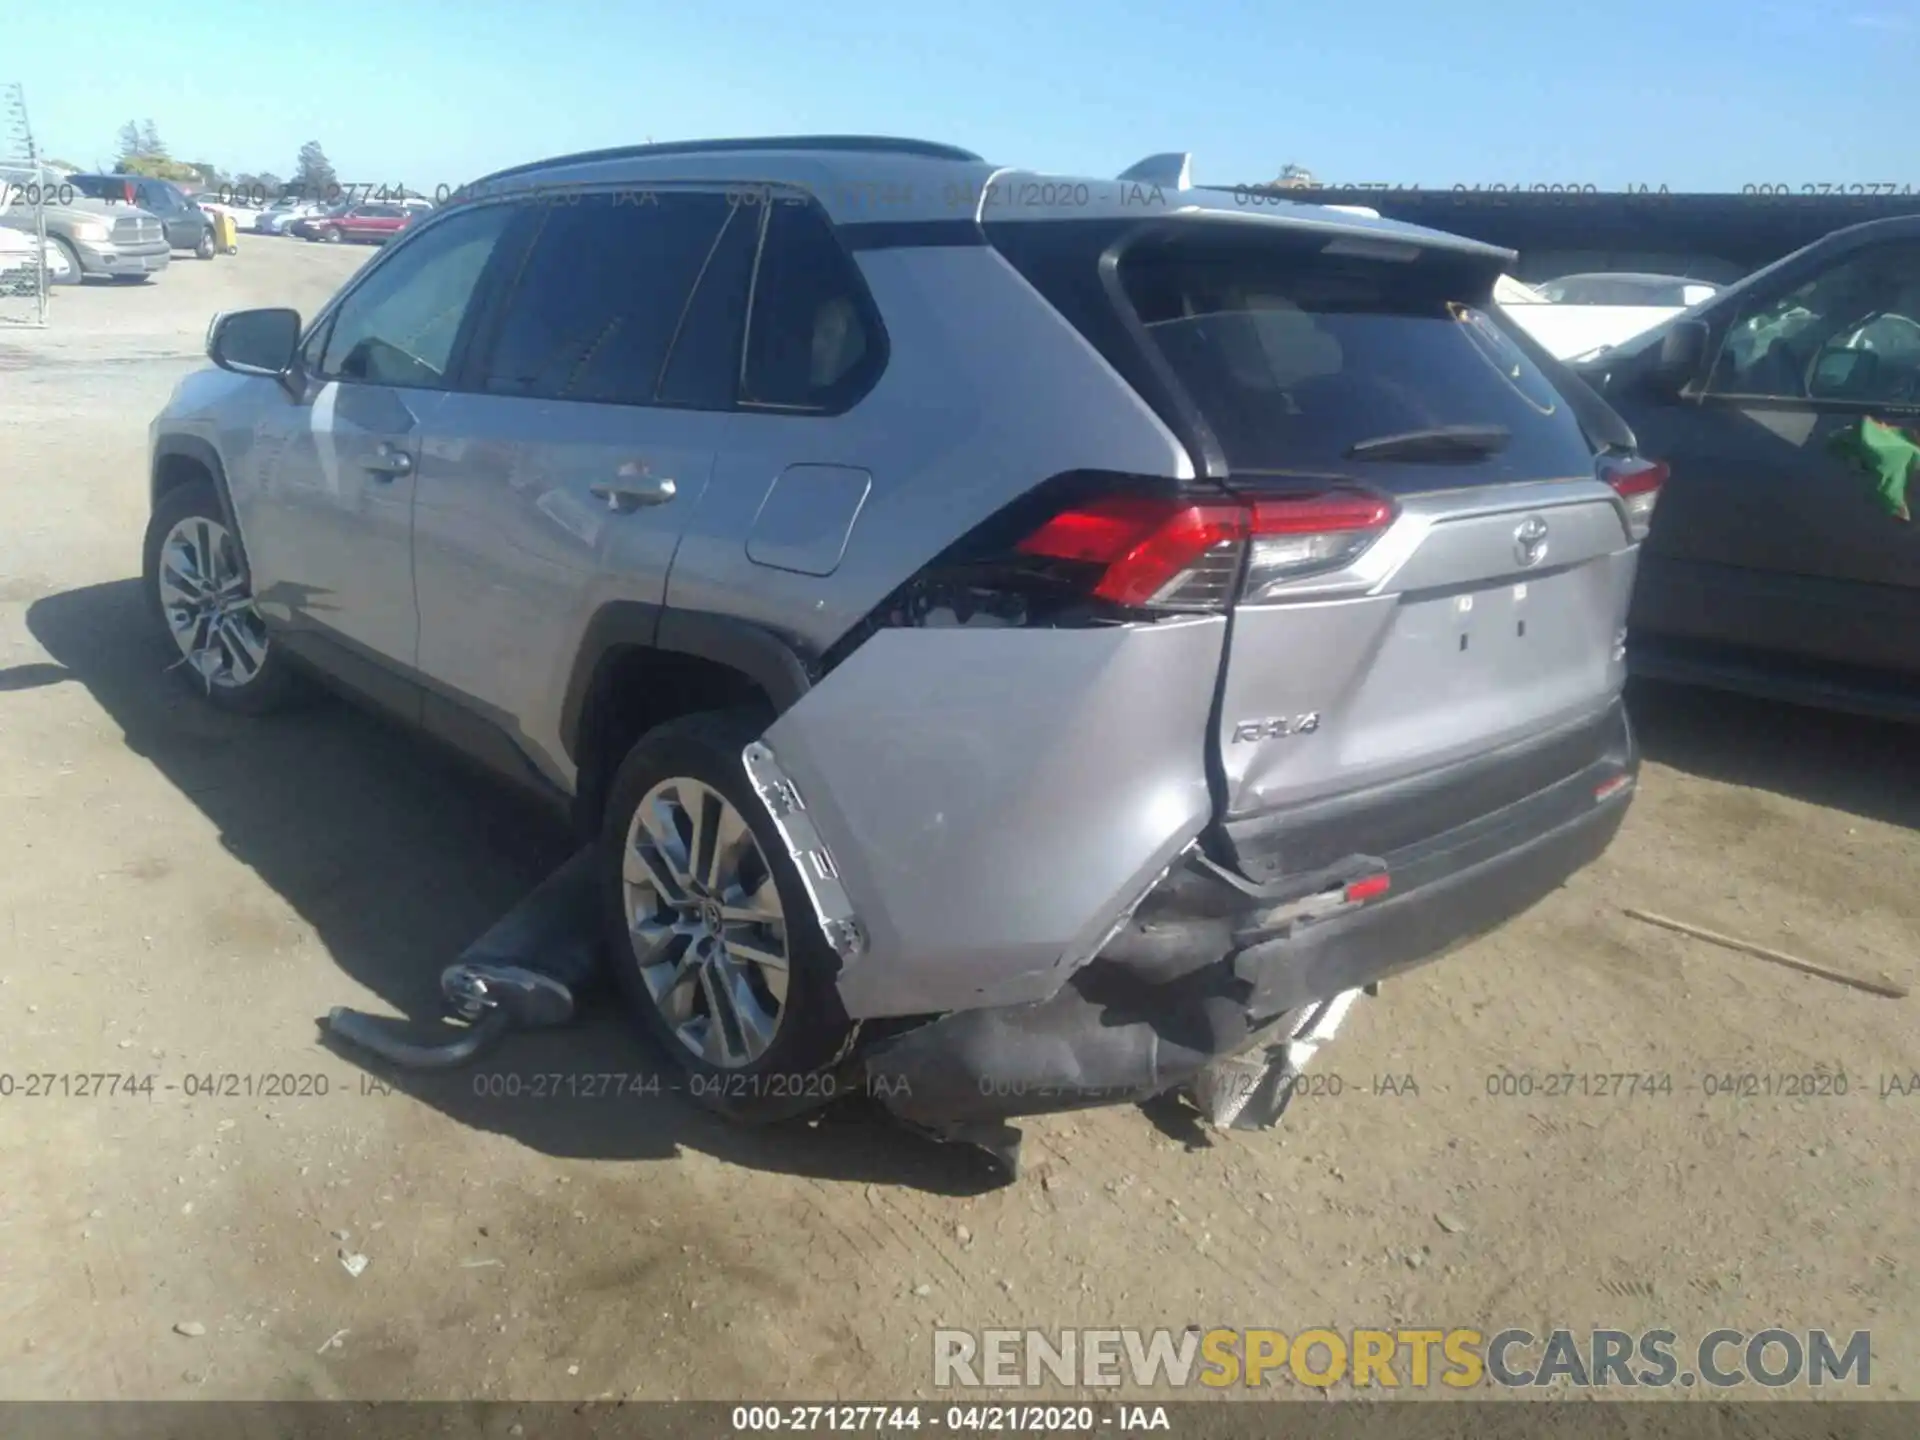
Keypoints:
(832, 906)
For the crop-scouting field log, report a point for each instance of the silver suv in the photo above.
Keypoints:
(1019, 642)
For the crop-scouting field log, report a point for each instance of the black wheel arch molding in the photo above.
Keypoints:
(201, 453)
(752, 650)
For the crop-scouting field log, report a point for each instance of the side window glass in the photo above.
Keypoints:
(704, 369)
(809, 343)
(398, 328)
(600, 296)
(1850, 333)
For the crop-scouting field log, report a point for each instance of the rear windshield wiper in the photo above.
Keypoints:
(1441, 443)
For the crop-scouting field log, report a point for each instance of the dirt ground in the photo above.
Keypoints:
(183, 895)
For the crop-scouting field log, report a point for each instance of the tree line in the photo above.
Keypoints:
(141, 151)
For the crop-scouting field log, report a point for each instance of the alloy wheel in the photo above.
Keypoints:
(707, 928)
(209, 612)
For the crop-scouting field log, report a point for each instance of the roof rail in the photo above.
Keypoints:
(856, 144)
(1172, 170)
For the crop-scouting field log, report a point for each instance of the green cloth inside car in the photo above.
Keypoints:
(1886, 453)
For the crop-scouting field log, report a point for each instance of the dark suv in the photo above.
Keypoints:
(187, 226)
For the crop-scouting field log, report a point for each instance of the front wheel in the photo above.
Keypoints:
(63, 262)
(714, 942)
(330, 235)
(198, 589)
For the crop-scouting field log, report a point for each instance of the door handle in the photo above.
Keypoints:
(626, 496)
(389, 462)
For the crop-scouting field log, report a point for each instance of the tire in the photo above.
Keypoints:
(205, 249)
(693, 761)
(330, 236)
(70, 257)
(238, 668)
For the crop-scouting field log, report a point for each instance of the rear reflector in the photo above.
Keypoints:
(1637, 481)
(1607, 789)
(1370, 888)
(1173, 554)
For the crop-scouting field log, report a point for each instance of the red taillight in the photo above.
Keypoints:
(1149, 548)
(1174, 554)
(1637, 481)
(1607, 789)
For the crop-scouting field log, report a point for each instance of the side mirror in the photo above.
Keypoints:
(1682, 356)
(1839, 373)
(255, 342)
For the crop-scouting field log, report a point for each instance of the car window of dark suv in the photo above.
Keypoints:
(600, 295)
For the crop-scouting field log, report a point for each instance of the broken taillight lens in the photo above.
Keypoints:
(1300, 535)
(1170, 553)
(1637, 481)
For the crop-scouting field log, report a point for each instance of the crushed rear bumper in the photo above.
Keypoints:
(1212, 964)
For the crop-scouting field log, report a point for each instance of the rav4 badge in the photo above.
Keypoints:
(1276, 728)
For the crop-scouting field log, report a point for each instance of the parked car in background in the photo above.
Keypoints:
(275, 219)
(1625, 288)
(210, 204)
(365, 223)
(1572, 329)
(21, 258)
(1204, 614)
(1779, 565)
(85, 237)
(186, 226)
(306, 226)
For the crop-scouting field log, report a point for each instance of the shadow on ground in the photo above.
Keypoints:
(1863, 767)
(398, 856)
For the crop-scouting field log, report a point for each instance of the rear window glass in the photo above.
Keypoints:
(1295, 356)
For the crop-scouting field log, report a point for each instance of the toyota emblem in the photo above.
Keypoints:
(1530, 541)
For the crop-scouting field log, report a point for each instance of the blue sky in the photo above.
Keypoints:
(1695, 94)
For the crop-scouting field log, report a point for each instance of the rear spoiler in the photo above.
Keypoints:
(1171, 170)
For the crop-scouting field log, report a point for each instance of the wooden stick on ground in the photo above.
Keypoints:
(1792, 962)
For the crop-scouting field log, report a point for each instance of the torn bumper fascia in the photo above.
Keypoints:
(1206, 971)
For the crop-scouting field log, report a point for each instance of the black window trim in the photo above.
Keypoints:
(463, 338)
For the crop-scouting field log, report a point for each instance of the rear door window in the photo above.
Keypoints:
(1295, 356)
(704, 371)
(599, 297)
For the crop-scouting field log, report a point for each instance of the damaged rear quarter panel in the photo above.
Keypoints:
(994, 799)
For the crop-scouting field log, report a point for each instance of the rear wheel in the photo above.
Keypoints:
(202, 597)
(713, 939)
(206, 249)
(330, 235)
